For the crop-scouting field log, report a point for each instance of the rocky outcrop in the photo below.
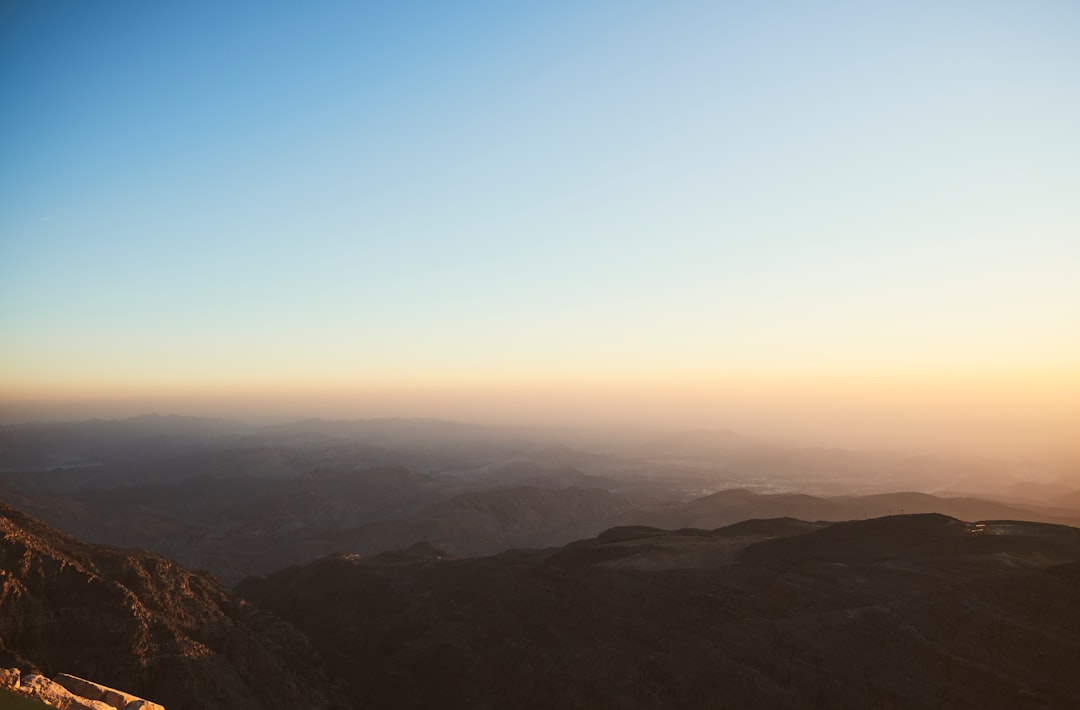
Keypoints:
(135, 620)
(10, 678)
(52, 693)
(110, 696)
(69, 692)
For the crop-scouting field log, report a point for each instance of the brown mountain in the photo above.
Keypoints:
(486, 522)
(730, 506)
(905, 611)
(137, 621)
(239, 526)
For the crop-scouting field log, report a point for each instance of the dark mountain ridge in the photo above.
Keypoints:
(904, 611)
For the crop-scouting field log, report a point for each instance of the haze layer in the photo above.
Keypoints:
(841, 222)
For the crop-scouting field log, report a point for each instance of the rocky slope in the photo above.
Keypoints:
(134, 620)
(906, 611)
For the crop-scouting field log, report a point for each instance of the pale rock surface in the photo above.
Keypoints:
(95, 691)
(41, 688)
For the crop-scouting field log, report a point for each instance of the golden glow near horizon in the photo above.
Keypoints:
(846, 223)
(971, 412)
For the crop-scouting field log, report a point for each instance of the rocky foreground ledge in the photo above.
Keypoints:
(69, 692)
(139, 621)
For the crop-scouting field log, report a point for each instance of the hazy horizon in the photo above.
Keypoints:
(946, 419)
(837, 223)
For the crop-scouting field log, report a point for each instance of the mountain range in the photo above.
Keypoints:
(906, 611)
(415, 563)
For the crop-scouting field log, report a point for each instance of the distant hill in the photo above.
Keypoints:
(45, 445)
(239, 501)
(905, 611)
(487, 522)
(730, 506)
(919, 610)
(238, 525)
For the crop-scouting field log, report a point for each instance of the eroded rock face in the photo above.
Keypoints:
(134, 620)
(10, 678)
(110, 696)
(41, 688)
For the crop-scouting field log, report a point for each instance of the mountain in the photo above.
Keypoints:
(903, 611)
(241, 501)
(134, 620)
(730, 506)
(236, 526)
(486, 522)
(38, 445)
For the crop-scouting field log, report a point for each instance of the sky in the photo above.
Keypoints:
(830, 219)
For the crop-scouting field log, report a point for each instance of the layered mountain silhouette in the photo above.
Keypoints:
(447, 565)
(239, 500)
(236, 526)
(730, 506)
(240, 525)
(905, 611)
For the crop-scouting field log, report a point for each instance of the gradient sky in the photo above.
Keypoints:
(215, 199)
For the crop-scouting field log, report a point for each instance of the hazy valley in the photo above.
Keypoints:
(240, 501)
(418, 563)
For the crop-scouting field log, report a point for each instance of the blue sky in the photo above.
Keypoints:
(194, 194)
